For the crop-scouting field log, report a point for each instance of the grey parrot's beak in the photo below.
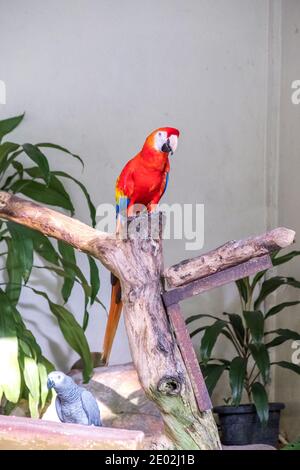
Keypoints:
(50, 383)
(167, 147)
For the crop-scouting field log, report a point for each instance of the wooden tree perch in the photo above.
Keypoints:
(138, 262)
(227, 255)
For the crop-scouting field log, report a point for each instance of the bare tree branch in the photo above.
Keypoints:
(230, 254)
(55, 224)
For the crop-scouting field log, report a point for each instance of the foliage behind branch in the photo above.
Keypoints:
(248, 333)
(24, 168)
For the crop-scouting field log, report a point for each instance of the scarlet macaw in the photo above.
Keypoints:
(143, 180)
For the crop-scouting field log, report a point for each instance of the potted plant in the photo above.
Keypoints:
(249, 370)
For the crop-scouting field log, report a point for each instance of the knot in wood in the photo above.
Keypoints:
(133, 294)
(169, 385)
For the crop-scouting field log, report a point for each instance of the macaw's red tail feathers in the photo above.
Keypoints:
(113, 318)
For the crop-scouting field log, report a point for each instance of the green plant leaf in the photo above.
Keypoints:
(62, 149)
(261, 357)
(258, 276)
(5, 149)
(21, 239)
(73, 333)
(237, 325)
(280, 307)
(39, 158)
(255, 322)
(212, 374)
(41, 193)
(197, 330)
(277, 260)
(270, 285)
(288, 365)
(14, 271)
(198, 317)
(54, 184)
(44, 247)
(209, 339)
(10, 376)
(43, 376)
(68, 255)
(283, 336)
(27, 342)
(237, 374)
(94, 279)
(8, 125)
(85, 192)
(260, 399)
(32, 381)
(242, 288)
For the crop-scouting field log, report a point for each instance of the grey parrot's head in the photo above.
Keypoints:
(59, 381)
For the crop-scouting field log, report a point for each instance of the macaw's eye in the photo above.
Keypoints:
(159, 134)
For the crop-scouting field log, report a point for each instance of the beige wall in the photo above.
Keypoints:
(98, 75)
(287, 384)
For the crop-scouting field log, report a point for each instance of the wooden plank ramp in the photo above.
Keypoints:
(34, 434)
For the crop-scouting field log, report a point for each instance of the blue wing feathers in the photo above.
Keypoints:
(166, 185)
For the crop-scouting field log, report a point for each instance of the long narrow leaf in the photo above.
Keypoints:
(8, 125)
(94, 279)
(21, 238)
(288, 365)
(237, 375)
(41, 193)
(283, 336)
(270, 285)
(209, 339)
(212, 374)
(255, 322)
(39, 158)
(261, 357)
(199, 317)
(260, 399)
(10, 376)
(54, 184)
(73, 333)
(68, 255)
(277, 260)
(85, 192)
(280, 307)
(242, 288)
(237, 325)
(62, 149)
(32, 381)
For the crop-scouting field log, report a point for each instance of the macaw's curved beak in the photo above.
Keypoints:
(50, 383)
(170, 145)
(167, 147)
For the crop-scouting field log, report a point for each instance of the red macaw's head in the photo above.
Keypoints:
(162, 140)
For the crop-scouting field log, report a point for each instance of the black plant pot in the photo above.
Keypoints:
(240, 425)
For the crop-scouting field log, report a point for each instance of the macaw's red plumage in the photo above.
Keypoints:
(143, 180)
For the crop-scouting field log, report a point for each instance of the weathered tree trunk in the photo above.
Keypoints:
(138, 262)
(155, 353)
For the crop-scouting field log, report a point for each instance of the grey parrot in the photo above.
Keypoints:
(74, 404)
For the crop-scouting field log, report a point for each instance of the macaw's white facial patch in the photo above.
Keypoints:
(173, 142)
(161, 138)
